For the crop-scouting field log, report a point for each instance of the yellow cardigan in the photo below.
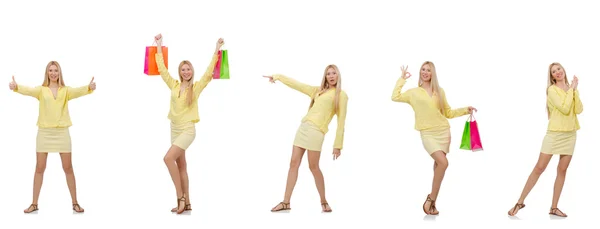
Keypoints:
(53, 112)
(322, 110)
(179, 111)
(563, 106)
(426, 108)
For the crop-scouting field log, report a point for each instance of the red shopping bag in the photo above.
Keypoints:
(475, 138)
(150, 67)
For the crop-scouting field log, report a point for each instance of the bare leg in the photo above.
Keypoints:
(440, 165)
(170, 160)
(313, 164)
(38, 179)
(185, 183)
(561, 174)
(297, 154)
(70, 175)
(539, 168)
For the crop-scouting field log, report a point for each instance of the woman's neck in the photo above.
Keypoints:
(426, 85)
(53, 84)
(561, 84)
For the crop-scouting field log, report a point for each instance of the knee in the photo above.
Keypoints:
(168, 159)
(442, 164)
(68, 169)
(314, 167)
(539, 169)
(182, 165)
(294, 164)
(562, 170)
(40, 168)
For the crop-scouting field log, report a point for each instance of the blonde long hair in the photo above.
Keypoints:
(190, 87)
(435, 85)
(325, 85)
(46, 82)
(552, 81)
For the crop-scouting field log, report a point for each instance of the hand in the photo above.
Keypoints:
(270, 79)
(220, 43)
(405, 74)
(13, 84)
(92, 85)
(336, 153)
(158, 39)
(471, 109)
(574, 82)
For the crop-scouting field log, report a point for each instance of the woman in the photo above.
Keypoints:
(53, 126)
(183, 115)
(326, 101)
(562, 105)
(432, 112)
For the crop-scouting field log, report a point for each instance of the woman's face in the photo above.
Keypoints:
(186, 72)
(53, 73)
(558, 73)
(426, 73)
(332, 77)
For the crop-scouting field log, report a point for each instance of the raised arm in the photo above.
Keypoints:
(341, 121)
(397, 95)
(449, 112)
(73, 93)
(24, 90)
(296, 85)
(160, 63)
(562, 105)
(207, 77)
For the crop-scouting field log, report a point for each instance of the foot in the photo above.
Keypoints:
(77, 208)
(188, 207)
(31, 208)
(281, 207)
(181, 203)
(513, 211)
(429, 206)
(325, 207)
(557, 212)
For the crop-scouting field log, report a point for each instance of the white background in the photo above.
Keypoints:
(491, 55)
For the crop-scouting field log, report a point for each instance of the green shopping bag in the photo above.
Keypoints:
(465, 143)
(224, 74)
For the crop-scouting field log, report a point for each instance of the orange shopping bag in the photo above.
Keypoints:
(150, 67)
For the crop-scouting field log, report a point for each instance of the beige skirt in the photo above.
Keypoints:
(183, 134)
(562, 143)
(437, 139)
(309, 137)
(53, 140)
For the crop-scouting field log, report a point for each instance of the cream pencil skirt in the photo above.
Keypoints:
(183, 134)
(562, 143)
(53, 140)
(309, 137)
(437, 139)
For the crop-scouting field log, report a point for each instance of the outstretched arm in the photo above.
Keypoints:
(207, 77)
(294, 84)
(449, 112)
(24, 90)
(73, 93)
(160, 63)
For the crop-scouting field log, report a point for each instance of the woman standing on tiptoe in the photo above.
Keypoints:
(53, 126)
(432, 112)
(326, 100)
(562, 105)
(183, 115)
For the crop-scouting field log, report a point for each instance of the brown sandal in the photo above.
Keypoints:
(76, 206)
(284, 207)
(431, 207)
(182, 198)
(188, 207)
(517, 207)
(34, 206)
(553, 211)
(324, 206)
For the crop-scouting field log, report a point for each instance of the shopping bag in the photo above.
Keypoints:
(465, 143)
(150, 67)
(475, 138)
(217, 70)
(224, 71)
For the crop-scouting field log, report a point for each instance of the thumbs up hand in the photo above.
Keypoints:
(92, 85)
(13, 84)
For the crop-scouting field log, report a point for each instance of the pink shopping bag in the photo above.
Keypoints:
(217, 70)
(475, 138)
